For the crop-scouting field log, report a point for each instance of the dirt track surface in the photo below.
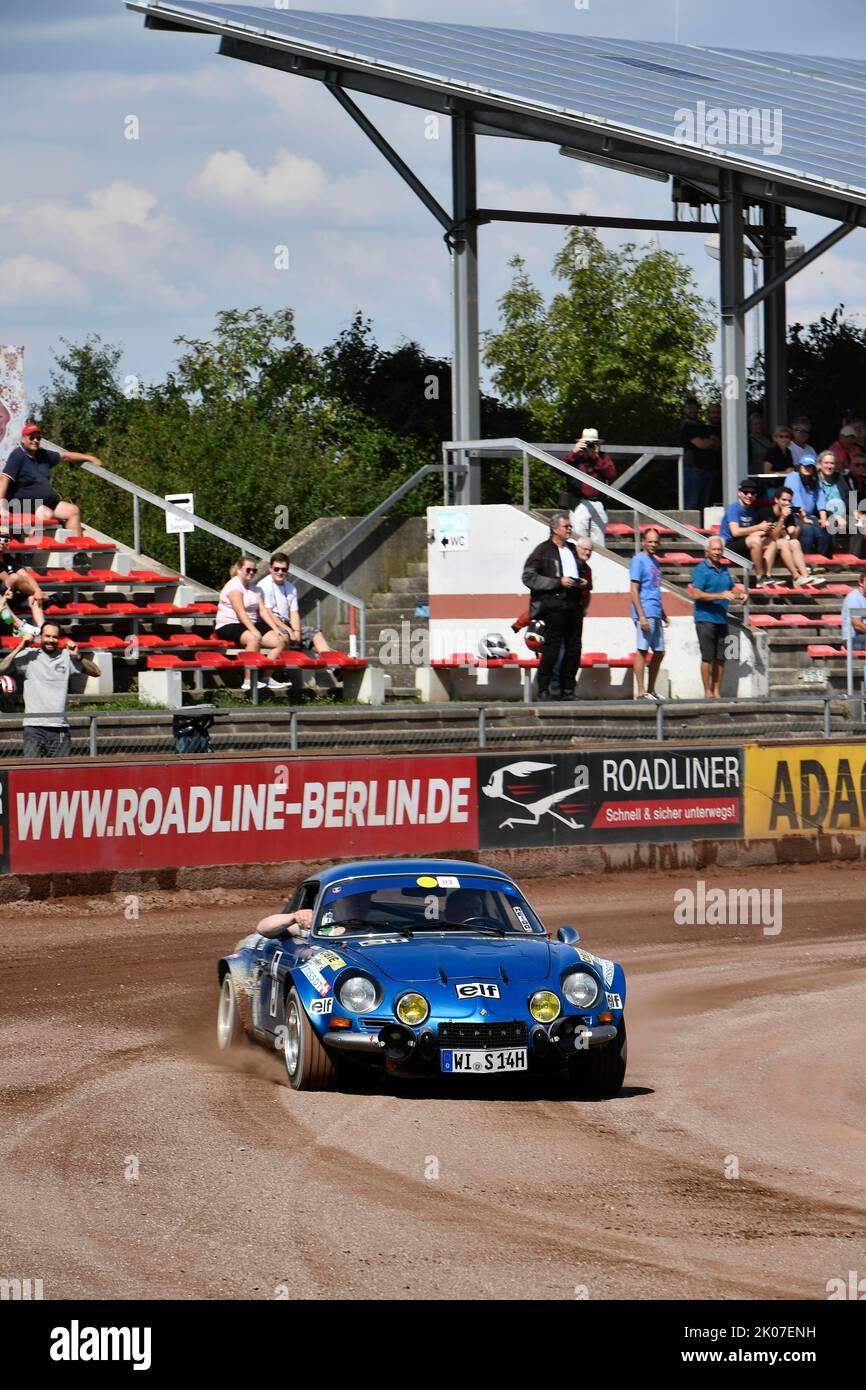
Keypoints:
(743, 1047)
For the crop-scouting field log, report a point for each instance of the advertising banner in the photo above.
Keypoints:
(99, 817)
(609, 797)
(13, 403)
(802, 788)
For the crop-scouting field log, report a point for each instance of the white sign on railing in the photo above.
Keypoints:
(173, 524)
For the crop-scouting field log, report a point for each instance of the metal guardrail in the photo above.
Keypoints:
(646, 453)
(503, 448)
(478, 725)
(142, 494)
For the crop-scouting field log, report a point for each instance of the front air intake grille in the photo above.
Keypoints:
(482, 1035)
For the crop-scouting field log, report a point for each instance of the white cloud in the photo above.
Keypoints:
(300, 188)
(292, 182)
(29, 280)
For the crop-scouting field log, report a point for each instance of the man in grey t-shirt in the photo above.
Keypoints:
(46, 669)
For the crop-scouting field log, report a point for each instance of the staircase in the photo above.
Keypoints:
(394, 634)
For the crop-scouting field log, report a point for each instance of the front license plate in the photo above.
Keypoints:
(487, 1062)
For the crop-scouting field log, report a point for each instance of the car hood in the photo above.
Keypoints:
(422, 959)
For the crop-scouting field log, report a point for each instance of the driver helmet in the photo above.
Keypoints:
(534, 635)
(493, 647)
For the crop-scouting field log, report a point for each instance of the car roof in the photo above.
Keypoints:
(382, 868)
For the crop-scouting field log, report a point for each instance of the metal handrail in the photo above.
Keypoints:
(646, 452)
(378, 511)
(143, 494)
(520, 446)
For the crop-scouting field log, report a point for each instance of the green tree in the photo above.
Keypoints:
(616, 348)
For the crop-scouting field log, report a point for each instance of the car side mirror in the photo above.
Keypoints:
(569, 936)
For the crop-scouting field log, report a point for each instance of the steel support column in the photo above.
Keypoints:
(775, 321)
(465, 369)
(734, 432)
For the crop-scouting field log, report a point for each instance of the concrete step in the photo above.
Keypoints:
(387, 605)
(408, 584)
(418, 569)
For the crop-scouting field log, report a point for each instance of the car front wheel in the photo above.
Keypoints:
(229, 1029)
(308, 1066)
(600, 1071)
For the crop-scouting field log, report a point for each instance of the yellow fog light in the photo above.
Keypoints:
(544, 1006)
(412, 1009)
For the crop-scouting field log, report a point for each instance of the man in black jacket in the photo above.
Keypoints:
(553, 575)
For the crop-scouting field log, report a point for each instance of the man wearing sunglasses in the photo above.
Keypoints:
(745, 535)
(280, 599)
(26, 480)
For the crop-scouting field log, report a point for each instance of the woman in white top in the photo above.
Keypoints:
(241, 616)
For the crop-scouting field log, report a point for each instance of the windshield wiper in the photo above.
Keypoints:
(372, 927)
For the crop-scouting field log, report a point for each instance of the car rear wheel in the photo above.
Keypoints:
(229, 1029)
(600, 1071)
(308, 1066)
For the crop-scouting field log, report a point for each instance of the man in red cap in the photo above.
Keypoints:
(26, 480)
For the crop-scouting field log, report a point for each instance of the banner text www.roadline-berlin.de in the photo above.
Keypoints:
(178, 814)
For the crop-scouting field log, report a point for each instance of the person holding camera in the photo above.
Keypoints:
(47, 668)
(785, 528)
(586, 503)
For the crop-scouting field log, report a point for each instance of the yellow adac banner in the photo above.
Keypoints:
(803, 788)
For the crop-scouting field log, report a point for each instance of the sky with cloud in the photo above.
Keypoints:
(142, 240)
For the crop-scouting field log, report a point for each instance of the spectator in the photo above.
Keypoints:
(713, 591)
(18, 588)
(785, 532)
(831, 510)
(26, 479)
(583, 546)
(845, 444)
(859, 425)
(702, 447)
(280, 598)
(779, 458)
(854, 615)
(589, 512)
(648, 614)
(853, 487)
(47, 667)
(745, 535)
(803, 482)
(801, 427)
(552, 574)
(241, 617)
(759, 442)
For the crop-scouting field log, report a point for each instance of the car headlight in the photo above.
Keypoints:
(357, 994)
(580, 989)
(544, 1006)
(412, 1009)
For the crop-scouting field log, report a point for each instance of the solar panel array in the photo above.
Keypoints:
(812, 127)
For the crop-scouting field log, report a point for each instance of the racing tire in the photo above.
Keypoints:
(230, 1032)
(600, 1071)
(308, 1066)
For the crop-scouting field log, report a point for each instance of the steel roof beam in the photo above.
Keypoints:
(796, 266)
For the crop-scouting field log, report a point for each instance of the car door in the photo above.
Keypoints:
(272, 961)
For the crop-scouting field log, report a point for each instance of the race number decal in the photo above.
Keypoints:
(477, 991)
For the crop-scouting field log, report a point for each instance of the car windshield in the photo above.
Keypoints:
(424, 903)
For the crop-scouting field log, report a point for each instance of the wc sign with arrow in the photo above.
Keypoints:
(453, 528)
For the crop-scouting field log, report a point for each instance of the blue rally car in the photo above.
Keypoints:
(424, 967)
